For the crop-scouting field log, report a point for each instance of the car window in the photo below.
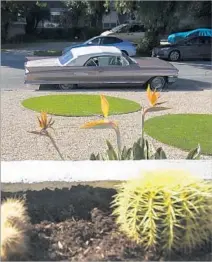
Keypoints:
(194, 41)
(92, 62)
(136, 28)
(93, 41)
(111, 40)
(66, 58)
(205, 40)
(107, 61)
(130, 60)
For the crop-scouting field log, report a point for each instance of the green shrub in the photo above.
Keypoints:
(70, 34)
(165, 211)
(74, 33)
(147, 43)
(22, 38)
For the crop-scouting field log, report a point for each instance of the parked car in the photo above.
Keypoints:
(173, 38)
(125, 46)
(199, 47)
(98, 65)
(131, 32)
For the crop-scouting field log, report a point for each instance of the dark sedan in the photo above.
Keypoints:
(193, 48)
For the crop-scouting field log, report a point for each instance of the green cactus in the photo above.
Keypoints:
(165, 211)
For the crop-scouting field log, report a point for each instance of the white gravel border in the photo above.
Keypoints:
(75, 171)
(78, 144)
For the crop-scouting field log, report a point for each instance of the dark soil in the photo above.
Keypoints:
(76, 224)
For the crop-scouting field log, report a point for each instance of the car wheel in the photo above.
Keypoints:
(174, 55)
(124, 52)
(157, 83)
(67, 86)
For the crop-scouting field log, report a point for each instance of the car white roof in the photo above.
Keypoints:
(95, 51)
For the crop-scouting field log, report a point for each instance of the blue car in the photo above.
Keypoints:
(126, 47)
(173, 38)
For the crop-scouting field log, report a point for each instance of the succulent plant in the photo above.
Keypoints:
(165, 210)
(139, 151)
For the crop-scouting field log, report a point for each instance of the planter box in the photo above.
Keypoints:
(74, 222)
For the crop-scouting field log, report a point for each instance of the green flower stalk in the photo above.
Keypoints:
(106, 123)
(46, 124)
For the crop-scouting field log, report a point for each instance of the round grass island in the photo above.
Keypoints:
(79, 105)
(184, 131)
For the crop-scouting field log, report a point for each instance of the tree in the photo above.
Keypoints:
(75, 11)
(37, 12)
(9, 13)
(82, 10)
(200, 10)
(34, 11)
(97, 9)
(157, 16)
(160, 16)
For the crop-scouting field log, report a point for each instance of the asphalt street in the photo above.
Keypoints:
(195, 75)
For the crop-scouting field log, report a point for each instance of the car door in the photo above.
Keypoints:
(205, 47)
(114, 70)
(110, 40)
(192, 48)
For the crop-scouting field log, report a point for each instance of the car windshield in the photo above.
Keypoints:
(64, 59)
(117, 28)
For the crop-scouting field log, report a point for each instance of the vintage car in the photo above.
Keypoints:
(98, 65)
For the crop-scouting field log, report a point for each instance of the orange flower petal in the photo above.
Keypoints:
(149, 93)
(103, 123)
(152, 96)
(104, 105)
(44, 118)
(154, 99)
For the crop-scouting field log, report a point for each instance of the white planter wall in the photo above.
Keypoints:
(74, 171)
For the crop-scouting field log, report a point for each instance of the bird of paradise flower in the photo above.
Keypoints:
(152, 96)
(45, 124)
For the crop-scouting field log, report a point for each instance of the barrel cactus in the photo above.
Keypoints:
(167, 210)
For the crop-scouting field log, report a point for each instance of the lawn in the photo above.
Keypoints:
(79, 105)
(183, 131)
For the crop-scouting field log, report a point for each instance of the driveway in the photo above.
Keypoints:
(195, 75)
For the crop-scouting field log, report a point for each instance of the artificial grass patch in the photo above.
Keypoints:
(79, 105)
(184, 131)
